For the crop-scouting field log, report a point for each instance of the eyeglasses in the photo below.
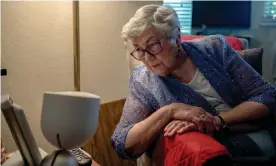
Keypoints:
(152, 49)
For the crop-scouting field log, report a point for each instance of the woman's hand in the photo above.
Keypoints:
(179, 127)
(204, 120)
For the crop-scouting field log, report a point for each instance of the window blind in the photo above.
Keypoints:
(183, 9)
(269, 17)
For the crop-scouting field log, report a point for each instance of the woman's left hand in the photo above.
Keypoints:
(197, 115)
(179, 127)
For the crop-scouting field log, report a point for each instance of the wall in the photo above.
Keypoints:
(104, 66)
(37, 51)
(262, 36)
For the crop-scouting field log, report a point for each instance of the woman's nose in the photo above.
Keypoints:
(149, 57)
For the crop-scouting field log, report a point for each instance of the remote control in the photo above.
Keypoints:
(83, 157)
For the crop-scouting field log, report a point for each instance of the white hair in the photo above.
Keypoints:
(164, 19)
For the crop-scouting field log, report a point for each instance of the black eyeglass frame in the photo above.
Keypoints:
(146, 49)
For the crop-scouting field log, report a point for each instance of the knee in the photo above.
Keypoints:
(219, 160)
(189, 146)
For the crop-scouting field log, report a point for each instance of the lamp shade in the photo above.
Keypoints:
(69, 119)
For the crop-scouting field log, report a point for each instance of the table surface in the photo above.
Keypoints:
(16, 159)
(94, 163)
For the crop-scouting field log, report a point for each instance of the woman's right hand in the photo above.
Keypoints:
(204, 120)
(179, 127)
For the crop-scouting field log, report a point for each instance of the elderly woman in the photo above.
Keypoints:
(200, 85)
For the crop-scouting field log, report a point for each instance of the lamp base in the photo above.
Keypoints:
(59, 158)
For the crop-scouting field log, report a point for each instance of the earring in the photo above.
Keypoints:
(179, 54)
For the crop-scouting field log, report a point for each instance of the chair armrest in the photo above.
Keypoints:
(99, 146)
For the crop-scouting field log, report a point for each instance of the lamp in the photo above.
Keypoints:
(68, 120)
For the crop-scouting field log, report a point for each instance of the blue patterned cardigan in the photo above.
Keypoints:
(232, 78)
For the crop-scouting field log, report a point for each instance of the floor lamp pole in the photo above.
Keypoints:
(76, 45)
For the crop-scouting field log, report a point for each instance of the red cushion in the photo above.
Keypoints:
(234, 42)
(189, 149)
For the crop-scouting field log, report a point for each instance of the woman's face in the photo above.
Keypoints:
(165, 61)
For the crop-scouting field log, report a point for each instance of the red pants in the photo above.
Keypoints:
(189, 149)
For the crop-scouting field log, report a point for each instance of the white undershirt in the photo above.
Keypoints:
(202, 86)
